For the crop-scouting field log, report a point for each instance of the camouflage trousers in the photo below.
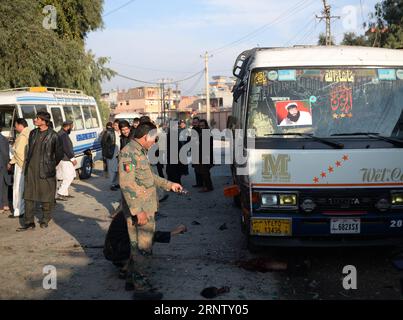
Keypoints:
(141, 242)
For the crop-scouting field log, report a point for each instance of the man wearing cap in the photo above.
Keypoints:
(66, 169)
(296, 117)
(44, 153)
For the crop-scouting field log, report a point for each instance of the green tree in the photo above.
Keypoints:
(322, 40)
(31, 55)
(384, 28)
(351, 39)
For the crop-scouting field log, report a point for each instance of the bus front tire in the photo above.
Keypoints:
(86, 169)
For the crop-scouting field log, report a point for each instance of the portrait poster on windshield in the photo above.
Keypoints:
(294, 113)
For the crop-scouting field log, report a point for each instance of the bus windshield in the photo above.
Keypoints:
(325, 101)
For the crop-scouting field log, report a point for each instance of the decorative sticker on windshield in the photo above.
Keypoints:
(387, 74)
(272, 75)
(339, 76)
(399, 74)
(293, 113)
(260, 79)
(341, 101)
(287, 75)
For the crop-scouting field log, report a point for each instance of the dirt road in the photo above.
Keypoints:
(206, 255)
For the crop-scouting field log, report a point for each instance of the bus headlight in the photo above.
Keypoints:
(397, 199)
(269, 200)
(289, 200)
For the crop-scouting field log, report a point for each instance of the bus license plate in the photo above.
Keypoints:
(345, 226)
(272, 227)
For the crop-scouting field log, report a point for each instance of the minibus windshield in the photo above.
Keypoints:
(325, 102)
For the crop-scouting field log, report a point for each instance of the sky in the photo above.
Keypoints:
(160, 39)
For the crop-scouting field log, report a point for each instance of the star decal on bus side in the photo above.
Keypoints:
(331, 169)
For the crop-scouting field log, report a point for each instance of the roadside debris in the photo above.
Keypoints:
(263, 265)
(212, 292)
(196, 223)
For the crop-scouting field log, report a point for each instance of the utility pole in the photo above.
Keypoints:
(328, 17)
(208, 116)
(162, 86)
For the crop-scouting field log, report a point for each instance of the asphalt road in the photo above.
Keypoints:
(212, 253)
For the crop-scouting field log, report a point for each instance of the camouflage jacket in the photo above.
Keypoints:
(137, 181)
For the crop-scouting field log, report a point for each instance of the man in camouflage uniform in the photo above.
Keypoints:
(139, 203)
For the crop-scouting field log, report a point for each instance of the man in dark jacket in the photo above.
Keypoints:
(66, 169)
(103, 136)
(124, 127)
(110, 150)
(45, 151)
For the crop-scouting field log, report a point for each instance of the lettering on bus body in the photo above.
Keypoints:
(275, 168)
(382, 175)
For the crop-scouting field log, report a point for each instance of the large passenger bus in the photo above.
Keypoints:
(62, 104)
(326, 168)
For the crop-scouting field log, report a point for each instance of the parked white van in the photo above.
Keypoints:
(129, 116)
(62, 104)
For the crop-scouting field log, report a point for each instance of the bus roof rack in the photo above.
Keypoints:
(44, 89)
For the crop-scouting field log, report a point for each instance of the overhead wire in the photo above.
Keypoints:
(304, 28)
(283, 16)
(158, 83)
(194, 85)
(118, 8)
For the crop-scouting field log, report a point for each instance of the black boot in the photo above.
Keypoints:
(143, 290)
(27, 227)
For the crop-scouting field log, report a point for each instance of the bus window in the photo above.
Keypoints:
(73, 113)
(6, 117)
(90, 116)
(89, 124)
(29, 114)
(41, 108)
(57, 118)
(78, 118)
(94, 115)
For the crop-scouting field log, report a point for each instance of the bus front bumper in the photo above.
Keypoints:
(326, 231)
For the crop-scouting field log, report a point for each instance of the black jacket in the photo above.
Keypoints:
(123, 141)
(108, 143)
(4, 158)
(68, 150)
(51, 152)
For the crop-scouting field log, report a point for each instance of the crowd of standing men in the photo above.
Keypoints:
(41, 157)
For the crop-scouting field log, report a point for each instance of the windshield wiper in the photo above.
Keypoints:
(374, 135)
(325, 141)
